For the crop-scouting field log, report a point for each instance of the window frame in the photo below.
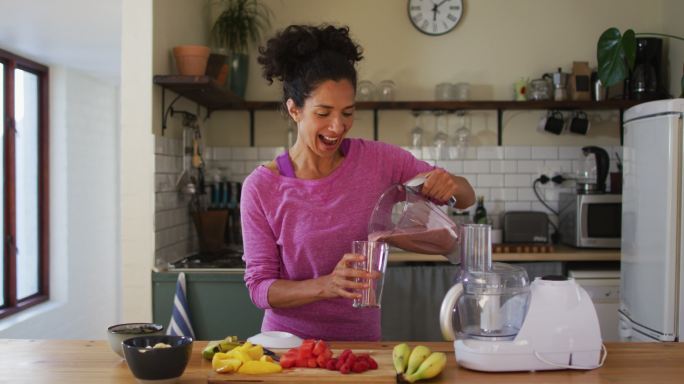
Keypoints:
(11, 303)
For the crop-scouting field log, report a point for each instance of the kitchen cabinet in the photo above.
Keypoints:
(412, 295)
(219, 303)
(208, 94)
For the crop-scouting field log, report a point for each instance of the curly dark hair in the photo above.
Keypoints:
(304, 56)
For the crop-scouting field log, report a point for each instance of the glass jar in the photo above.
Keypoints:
(365, 91)
(387, 90)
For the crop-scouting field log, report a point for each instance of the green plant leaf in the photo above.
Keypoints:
(241, 23)
(629, 47)
(610, 54)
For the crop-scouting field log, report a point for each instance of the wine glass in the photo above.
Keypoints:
(417, 131)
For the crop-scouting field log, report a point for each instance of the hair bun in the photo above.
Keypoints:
(286, 55)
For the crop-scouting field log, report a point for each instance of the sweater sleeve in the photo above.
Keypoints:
(261, 254)
(406, 165)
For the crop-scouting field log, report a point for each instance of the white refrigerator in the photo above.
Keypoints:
(652, 267)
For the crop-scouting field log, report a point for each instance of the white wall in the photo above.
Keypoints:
(84, 222)
(496, 43)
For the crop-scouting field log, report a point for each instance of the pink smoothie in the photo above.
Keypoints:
(436, 241)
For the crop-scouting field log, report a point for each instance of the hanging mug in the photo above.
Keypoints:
(579, 123)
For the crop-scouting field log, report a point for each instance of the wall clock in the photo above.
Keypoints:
(435, 17)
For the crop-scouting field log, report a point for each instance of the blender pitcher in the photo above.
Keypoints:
(489, 301)
(405, 219)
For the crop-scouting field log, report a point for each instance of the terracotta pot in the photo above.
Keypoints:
(191, 60)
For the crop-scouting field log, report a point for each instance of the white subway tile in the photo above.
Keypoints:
(526, 194)
(503, 166)
(244, 153)
(159, 145)
(462, 153)
(551, 194)
(570, 153)
(495, 208)
(504, 194)
(517, 180)
(490, 180)
(472, 179)
(516, 153)
(530, 166)
(510, 206)
(545, 153)
(484, 192)
(476, 166)
(539, 207)
(428, 153)
(558, 165)
(269, 153)
(222, 153)
(490, 153)
(416, 152)
(453, 166)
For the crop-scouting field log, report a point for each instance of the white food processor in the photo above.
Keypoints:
(500, 322)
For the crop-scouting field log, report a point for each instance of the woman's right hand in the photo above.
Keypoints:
(340, 283)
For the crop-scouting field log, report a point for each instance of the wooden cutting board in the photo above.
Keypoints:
(384, 374)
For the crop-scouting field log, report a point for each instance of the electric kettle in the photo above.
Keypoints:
(593, 173)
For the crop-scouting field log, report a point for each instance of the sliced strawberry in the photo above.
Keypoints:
(330, 365)
(360, 366)
(372, 363)
(311, 362)
(319, 348)
(287, 361)
(345, 368)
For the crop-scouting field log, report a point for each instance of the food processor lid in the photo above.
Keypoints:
(501, 279)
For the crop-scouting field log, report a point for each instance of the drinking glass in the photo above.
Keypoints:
(375, 263)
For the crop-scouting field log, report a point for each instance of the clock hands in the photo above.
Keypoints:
(435, 9)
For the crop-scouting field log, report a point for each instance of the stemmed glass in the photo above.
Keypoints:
(417, 131)
(441, 138)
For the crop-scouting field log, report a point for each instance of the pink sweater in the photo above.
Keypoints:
(298, 229)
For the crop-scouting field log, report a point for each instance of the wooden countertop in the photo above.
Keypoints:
(88, 361)
(562, 253)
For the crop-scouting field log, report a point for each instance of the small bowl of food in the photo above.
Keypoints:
(157, 358)
(120, 332)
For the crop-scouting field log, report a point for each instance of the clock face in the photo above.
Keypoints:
(435, 17)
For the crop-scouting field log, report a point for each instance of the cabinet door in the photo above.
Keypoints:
(219, 304)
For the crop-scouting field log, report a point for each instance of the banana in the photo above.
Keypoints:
(400, 357)
(416, 358)
(431, 367)
(224, 345)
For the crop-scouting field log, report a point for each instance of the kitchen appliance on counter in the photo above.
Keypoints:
(501, 322)
(525, 227)
(647, 79)
(652, 268)
(593, 173)
(590, 220)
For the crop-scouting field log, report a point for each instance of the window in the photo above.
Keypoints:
(24, 269)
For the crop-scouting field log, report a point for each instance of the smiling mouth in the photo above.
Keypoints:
(328, 140)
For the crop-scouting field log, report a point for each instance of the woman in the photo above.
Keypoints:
(301, 212)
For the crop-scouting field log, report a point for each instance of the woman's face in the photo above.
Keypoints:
(326, 117)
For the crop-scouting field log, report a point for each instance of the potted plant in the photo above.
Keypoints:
(616, 54)
(240, 23)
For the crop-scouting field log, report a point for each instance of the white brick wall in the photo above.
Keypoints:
(503, 175)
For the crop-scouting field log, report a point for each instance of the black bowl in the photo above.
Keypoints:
(149, 363)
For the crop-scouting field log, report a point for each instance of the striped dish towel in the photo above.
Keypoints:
(180, 317)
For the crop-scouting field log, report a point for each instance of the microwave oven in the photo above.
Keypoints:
(590, 220)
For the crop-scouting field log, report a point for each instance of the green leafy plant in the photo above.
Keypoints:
(241, 23)
(616, 53)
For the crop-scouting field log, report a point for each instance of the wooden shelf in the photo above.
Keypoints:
(204, 91)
